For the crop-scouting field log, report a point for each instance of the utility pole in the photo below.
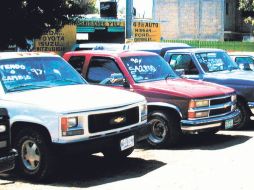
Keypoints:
(129, 19)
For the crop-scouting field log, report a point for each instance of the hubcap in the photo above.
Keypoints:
(159, 131)
(30, 155)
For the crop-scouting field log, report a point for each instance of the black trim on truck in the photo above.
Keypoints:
(99, 144)
(7, 154)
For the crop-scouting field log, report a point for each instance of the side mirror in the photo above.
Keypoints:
(126, 83)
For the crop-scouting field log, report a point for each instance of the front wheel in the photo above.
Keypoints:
(165, 129)
(244, 118)
(35, 159)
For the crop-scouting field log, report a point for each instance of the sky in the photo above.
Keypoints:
(143, 7)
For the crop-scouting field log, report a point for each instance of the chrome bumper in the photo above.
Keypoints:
(207, 124)
(251, 106)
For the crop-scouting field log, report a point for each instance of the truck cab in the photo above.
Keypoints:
(215, 65)
(175, 105)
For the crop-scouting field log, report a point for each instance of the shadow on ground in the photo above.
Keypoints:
(204, 142)
(95, 170)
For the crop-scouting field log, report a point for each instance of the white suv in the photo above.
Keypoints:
(53, 110)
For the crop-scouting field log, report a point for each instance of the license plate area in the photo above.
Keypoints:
(229, 124)
(127, 143)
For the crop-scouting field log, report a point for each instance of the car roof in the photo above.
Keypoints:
(154, 45)
(121, 53)
(13, 55)
(108, 46)
(241, 53)
(196, 50)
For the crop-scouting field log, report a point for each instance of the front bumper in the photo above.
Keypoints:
(199, 125)
(7, 161)
(251, 106)
(98, 144)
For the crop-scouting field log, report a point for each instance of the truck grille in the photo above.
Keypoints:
(220, 101)
(113, 120)
(220, 111)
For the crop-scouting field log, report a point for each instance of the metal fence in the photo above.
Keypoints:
(226, 45)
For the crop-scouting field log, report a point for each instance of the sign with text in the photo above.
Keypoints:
(57, 41)
(146, 32)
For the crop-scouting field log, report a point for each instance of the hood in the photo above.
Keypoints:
(233, 77)
(75, 98)
(187, 88)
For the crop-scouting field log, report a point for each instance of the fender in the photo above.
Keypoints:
(24, 118)
(163, 104)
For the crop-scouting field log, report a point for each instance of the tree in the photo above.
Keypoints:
(247, 7)
(88, 6)
(23, 20)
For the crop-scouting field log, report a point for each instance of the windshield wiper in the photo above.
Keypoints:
(67, 80)
(19, 87)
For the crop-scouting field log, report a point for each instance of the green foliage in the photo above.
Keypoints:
(28, 19)
(247, 7)
(87, 6)
(228, 45)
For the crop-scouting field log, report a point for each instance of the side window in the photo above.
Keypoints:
(104, 71)
(77, 63)
(183, 63)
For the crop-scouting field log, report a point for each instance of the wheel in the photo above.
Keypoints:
(35, 160)
(165, 129)
(117, 154)
(244, 118)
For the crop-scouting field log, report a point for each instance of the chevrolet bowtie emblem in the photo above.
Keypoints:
(119, 119)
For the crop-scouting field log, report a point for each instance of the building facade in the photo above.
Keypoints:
(200, 19)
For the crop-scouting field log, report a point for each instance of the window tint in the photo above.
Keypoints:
(215, 61)
(77, 63)
(104, 71)
(37, 72)
(184, 63)
(245, 63)
(149, 68)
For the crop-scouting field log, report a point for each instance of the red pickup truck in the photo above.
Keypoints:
(175, 105)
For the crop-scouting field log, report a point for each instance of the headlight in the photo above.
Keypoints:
(233, 98)
(200, 114)
(2, 128)
(198, 103)
(143, 110)
(68, 124)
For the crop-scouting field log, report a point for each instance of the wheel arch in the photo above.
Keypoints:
(17, 126)
(169, 108)
(240, 98)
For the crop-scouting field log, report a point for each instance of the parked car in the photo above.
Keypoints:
(245, 60)
(54, 111)
(175, 105)
(7, 154)
(156, 47)
(214, 65)
(97, 46)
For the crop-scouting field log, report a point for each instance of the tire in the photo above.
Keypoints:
(244, 116)
(35, 160)
(165, 130)
(117, 154)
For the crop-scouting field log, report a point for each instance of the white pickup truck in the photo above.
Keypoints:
(53, 110)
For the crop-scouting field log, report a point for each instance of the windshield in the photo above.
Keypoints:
(215, 61)
(37, 72)
(148, 68)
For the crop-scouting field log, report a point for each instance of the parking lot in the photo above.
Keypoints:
(216, 162)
